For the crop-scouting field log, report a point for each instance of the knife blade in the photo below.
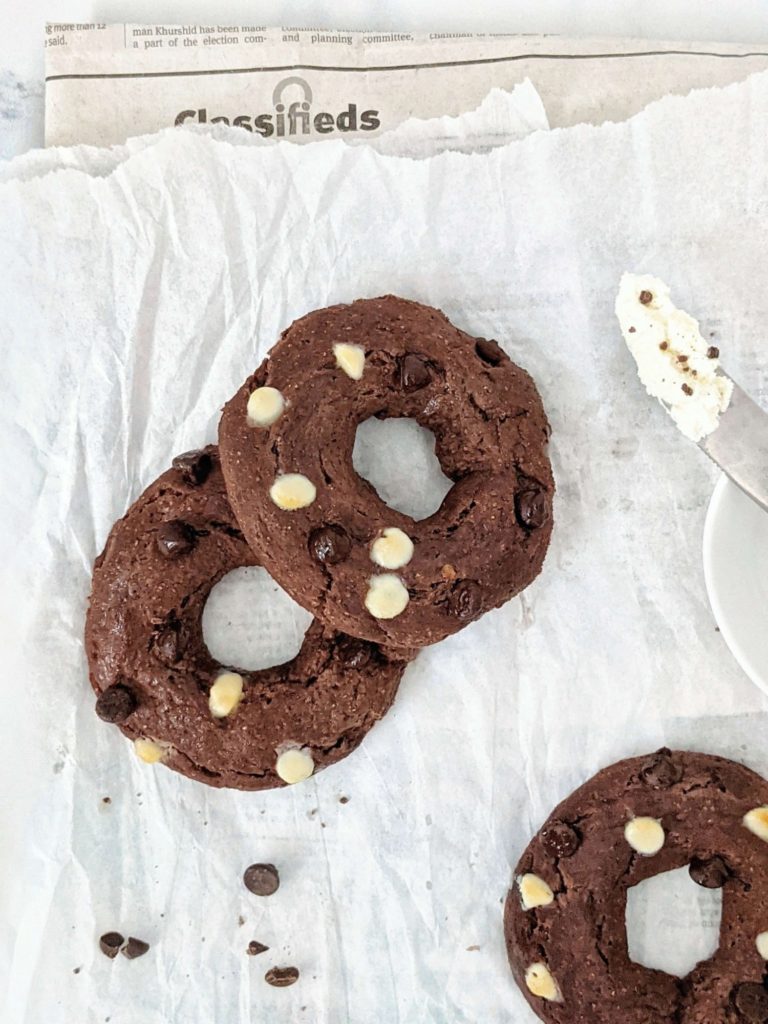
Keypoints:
(739, 445)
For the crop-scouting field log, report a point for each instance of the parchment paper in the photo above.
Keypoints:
(134, 304)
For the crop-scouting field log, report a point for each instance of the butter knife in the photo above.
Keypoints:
(739, 445)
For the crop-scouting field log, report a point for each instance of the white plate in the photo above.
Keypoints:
(736, 573)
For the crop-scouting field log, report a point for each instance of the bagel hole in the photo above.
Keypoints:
(249, 622)
(672, 923)
(397, 456)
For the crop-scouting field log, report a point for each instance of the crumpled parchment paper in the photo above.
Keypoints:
(134, 303)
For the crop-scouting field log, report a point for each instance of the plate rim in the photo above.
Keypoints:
(711, 524)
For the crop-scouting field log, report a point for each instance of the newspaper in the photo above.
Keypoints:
(106, 83)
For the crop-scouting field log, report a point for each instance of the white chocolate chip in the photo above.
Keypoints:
(265, 407)
(540, 982)
(757, 822)
(762, 945)
(645, 835)
(295, 765)
(148, 751)
(392, 549)
(387, 596)
(534, 892)
(291, 491)
(350, 359)
(225, 694)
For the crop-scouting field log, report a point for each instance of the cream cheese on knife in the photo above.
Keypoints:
(674, 362)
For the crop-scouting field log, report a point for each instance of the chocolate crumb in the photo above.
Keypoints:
(110, 944)
(645, 297)
(687, 389)
(664, 345)
(261, 879)
(713, 352)
(631, 330)
(240, 921)
(343, 799)
(134, 948)
(254, 948)
(76, 970)
(106, 799)
(282, 977)
(682, 359)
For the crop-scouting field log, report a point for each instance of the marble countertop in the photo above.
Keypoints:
(22, 53)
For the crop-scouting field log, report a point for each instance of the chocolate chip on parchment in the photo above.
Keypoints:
(489, 351)
(560, 839)
(713, 352)
(750, 1000)
(134, 948)
(282, 977)
(254, 948)
(116, 703)
(532, 508)
(194, 466)
(329, 544)
(110, 943)
(414, 372)
(465, 601)
(175, 538)
(712, 873)
(645, 297)
(664, 345)
(661, 772)
(687, 389)
(261, 879)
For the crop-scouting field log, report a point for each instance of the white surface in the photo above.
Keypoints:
(112, 365)
(736, 572)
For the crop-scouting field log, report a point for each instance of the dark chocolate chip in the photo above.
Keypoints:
(687, 389)
(645, 297)
(134, 948)
(465, 601)
(194, 466)
(713, 352)
(261, 879)
(354, 653)
(750, 1000)
(329, 544)
(632, 330)
(660, 771)
(532, 508)
(560, 839)
(712, 873)
(414, 372)
(282, 977)
(110, 944)
(489, 351)
(343, 799)
(254, 948)
(175, 538)
(663, 345)
(116, 703)
(168, 646)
